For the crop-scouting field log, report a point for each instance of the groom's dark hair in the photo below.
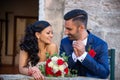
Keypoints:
(77, 15)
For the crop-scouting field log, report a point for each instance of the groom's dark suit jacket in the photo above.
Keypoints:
(91, 67)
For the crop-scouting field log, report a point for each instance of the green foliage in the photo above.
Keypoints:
(89, 48)
(55, 54)
(64, 56)
(42, 69)
(72, 73)
(47, 55)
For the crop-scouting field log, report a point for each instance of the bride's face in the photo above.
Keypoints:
(46, 35)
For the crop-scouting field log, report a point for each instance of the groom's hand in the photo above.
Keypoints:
(79, 48)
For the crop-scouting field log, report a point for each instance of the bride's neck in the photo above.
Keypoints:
(41, 45)
(42, 50)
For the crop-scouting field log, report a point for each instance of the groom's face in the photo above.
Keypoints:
(72, 30)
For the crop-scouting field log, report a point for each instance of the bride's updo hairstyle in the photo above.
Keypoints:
(30, 42)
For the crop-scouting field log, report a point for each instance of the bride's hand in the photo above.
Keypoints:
(36, 73)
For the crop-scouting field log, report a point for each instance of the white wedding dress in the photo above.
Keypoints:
(40, 63)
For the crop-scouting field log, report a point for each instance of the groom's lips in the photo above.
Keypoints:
(69, 36)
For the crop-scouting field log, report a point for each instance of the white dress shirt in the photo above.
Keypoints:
(82, 57)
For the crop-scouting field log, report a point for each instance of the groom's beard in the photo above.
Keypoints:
(74, 36)
(71, 37)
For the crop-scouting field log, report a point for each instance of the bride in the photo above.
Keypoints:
(36, 42)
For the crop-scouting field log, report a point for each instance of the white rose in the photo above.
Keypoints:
(61, 67)
(55, 58)
(55, 68)
(50, 64)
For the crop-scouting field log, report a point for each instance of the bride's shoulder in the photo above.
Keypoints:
(52, 45)
(52, 48)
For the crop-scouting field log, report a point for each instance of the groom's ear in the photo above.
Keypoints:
(82, 26)
(37, 34)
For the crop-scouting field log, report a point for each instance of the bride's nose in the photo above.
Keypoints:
(51, 35)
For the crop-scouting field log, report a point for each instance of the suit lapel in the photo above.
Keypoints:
(89, 41)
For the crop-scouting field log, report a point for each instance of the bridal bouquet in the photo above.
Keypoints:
(55, 66)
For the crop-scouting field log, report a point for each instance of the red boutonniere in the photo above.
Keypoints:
(91, 52)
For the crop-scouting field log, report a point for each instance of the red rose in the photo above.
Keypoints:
(60, 61)
(49, 70)
(48, 60)
(92, 53)
(66, 70)
(58, 73)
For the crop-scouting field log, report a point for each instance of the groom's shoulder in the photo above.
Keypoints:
(97, 39)
(65, 40)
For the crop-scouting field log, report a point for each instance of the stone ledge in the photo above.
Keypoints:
(24, 77)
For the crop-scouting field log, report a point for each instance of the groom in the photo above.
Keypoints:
(87, 53)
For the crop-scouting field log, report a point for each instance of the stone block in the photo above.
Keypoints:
(110, 5)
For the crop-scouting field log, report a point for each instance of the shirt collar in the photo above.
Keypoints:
(84, 41)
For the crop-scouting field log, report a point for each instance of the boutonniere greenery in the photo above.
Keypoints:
(91, 51)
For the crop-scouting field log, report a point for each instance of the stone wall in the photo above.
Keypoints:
(104, 19)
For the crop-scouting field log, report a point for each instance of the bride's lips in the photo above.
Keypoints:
(50, 39)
